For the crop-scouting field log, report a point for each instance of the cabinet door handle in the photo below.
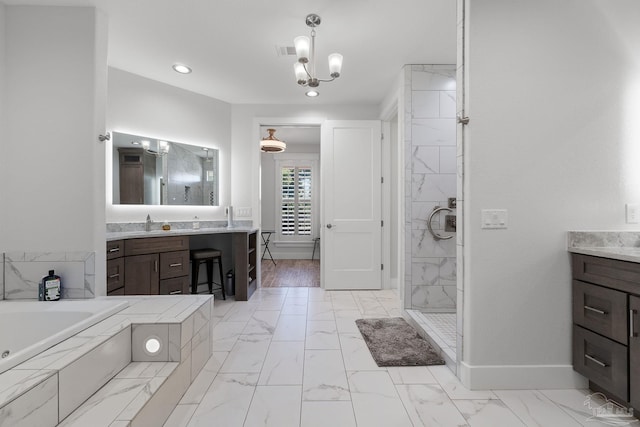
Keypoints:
(155, 266)
(113, 276)
(595, 310)
(596, 361)
(178, 264)
(175, 292)
(114, 250)
(632, 333)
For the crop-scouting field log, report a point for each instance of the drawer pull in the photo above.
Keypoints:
(632, 333)
(178, 264)
(114, 250)
(595, 310)
(596, 361)
(113, 276)
(175, 292)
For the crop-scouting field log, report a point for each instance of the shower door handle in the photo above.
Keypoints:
(435, 235)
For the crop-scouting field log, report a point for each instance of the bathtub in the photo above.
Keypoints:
(27, 328)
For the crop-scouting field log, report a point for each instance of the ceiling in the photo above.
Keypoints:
(232, 44)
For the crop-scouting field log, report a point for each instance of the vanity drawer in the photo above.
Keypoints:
(115, 249)
(174, 264)
(620, 275)
(601, 310)
(176, 286)
(115, 274)
(150, 245)
(601, 360)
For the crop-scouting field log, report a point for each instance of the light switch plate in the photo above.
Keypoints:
(633, 213)
(494, 218)
(243, 212)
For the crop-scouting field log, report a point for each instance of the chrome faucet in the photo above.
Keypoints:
(147, 225)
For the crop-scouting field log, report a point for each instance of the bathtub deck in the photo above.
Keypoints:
(76, 381)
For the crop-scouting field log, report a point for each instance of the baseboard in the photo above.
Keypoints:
(520, 377)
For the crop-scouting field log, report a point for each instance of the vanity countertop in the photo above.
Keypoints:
(119, 235)
(620, 245)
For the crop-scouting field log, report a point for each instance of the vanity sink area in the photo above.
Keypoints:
(156, 262)
(606, 318)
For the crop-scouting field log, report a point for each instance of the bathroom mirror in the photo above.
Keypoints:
(152, 171)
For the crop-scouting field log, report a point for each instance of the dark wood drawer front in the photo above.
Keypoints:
(176, 286)
(601, 310)
(634, 353)
(115, 249)
(620, 275)
(174, 264)
(115, 274)
(150, 245)
(601, 360)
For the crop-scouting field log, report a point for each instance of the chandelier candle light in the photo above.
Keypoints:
(305, 68)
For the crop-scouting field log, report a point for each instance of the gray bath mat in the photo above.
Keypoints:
(392, 342)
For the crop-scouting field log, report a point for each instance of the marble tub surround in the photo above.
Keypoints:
(24, 270)
(620, 245)
(52, 386)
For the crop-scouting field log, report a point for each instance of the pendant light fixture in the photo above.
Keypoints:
(305, 68)
(271, 144)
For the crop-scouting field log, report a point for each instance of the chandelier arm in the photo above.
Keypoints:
(326, 80)
(307, 71)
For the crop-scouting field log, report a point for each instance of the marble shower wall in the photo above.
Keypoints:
(187, 180)
(22, 272)
(431, 173)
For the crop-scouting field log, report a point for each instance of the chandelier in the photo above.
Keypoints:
(305, 68)
(271, 144)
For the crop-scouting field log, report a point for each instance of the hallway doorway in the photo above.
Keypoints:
(286, 273)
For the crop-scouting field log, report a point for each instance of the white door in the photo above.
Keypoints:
(351, 199)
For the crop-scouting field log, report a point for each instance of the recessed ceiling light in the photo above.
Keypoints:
(312, 93)
(182, 69)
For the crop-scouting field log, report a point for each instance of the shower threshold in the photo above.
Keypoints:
(439, 329)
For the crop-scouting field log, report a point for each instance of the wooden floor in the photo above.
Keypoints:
(291, 273)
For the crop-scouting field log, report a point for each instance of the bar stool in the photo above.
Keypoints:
(209, 256)
(316, 243)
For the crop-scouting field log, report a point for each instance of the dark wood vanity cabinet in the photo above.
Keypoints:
(606, 346)
(246, 262)
(151, 266)
(634, 351)
(115, 268)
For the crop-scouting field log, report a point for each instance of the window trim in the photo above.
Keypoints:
(311, 160)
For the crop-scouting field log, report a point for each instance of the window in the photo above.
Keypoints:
(297, 194)
(295, 211)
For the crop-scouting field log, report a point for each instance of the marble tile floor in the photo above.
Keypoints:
(294, 357)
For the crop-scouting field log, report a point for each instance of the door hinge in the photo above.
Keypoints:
(382, 223)
(381, 266)
(382, 180)
(382, 136)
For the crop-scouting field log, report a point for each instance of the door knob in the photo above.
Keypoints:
(329, 225)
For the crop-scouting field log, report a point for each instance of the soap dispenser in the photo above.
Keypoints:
(50, 287)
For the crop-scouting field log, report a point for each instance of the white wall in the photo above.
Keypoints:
(141, 106)
(553, 98)
(51, 168)
(245, 158)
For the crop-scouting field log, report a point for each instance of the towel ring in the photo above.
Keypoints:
(433, 233)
